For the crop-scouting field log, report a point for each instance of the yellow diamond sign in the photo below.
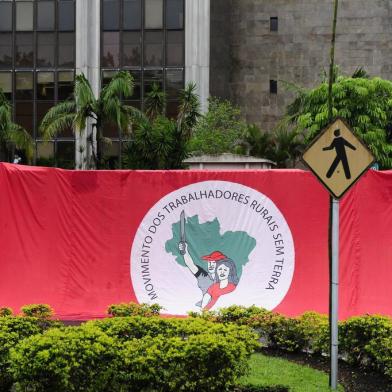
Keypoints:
(338, 158)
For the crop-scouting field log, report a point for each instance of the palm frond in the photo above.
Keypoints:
(189, 108)
(59, 118)
(83, 92)
(22, 139)
(121, 86)
(155, 102)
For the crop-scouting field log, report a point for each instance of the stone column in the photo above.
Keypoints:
(88, 29)
(197, 47)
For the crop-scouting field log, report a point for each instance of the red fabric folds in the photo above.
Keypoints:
(66, 236)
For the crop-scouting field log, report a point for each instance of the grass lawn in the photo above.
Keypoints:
(271, 371)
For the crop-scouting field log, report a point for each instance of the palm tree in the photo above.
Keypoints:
(11, 133)
(159, 142)
(108, 108)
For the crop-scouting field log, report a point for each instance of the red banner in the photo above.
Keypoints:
(190, 240)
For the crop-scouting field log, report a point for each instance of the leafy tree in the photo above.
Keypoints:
(108, 108)
(159, 142)
(365, 103)
(219, 130)
(11, 133)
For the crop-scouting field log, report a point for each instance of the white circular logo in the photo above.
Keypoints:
(212, 244)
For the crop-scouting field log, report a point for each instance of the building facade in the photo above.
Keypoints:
(258, 46)
(242, 50)
(45, 43)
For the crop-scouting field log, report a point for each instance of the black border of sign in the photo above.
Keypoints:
(318, 137)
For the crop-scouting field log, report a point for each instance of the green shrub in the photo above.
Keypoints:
(12, 330)
(200, 363)
(380, 349)
(65, 360)
(134, 309)
(357, 332)
(41, 311)
(315, 330)
(4, 312)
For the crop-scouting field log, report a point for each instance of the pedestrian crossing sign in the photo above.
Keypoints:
(338, 158)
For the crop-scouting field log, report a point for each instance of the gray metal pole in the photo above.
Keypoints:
(334, 294)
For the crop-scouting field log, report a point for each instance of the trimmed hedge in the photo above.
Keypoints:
(134, 354)
(133, 309)
(12, 331)
(364, 341)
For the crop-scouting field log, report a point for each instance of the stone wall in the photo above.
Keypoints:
(297, 53)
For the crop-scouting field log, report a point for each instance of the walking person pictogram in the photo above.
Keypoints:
(339, 144)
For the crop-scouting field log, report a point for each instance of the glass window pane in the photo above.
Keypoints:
(132, 14)
(6, 84)
(45, 86)
(42, 109)
(24, 15)
(65, 155)
(5, 16)
(131, 49)
(66, 49)
(24, 56)
(45, 154)
(65, 85)
(111, 155)
(153, 48)
(45, 15)
(5, 50)
(45, 49)
(107, 76)
(66, 15)
(151, 77)
(175, 48)
(153, 17)
(111, 15)
(174, 82)
(24, 115)
(111, 50)
(24, 85)
(174, 14)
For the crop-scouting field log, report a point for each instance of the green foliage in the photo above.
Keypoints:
(356, 333)
(65, 360)
(159, 143)
(41, 311)
(4, 312)
(134, 309)
(219, 130)
(364, 103)
(134, 354)
(13, 330)
(107, 108)
(12, 134)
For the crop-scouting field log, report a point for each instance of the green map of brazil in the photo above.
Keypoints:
(216, 259)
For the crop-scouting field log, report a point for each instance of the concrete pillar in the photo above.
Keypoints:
(197, 47)
(88, 29)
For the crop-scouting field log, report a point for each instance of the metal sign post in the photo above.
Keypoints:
(334, 294)
(338, 159)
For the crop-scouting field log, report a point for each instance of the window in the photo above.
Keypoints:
(24, 15)
(37, 64)
(45, 15)
(132, 15)
(146, 38)
(274, 23)
(5, 16)
(153, 14)
(273, 86)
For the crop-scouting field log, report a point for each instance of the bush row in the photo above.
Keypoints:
(123, 354)
(364, 341)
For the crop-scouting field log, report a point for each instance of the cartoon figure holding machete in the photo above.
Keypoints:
(219, 279)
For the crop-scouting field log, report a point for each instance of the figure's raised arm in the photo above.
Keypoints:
(349, 145)
(183, 248)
